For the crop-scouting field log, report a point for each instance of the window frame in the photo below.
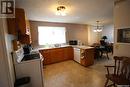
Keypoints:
(54, 28)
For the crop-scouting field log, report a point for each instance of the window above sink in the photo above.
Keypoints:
(51, 35)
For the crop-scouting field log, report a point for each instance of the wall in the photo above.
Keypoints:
(6, 66)
(9, 49)
(74, 31)
(121, 20)
(93, 37)
(108, 31)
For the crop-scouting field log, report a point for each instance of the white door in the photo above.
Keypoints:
(77, 55)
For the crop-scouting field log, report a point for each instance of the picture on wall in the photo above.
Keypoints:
(123, 35)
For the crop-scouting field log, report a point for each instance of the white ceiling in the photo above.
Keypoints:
(78, 11)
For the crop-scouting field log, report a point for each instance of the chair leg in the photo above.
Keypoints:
(101, 54)
(106, 82)
(114, 85)
(107, 55)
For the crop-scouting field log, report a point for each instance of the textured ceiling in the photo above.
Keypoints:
(78, 11)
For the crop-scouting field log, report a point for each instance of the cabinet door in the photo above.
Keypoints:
(90, 56)
(57, 55)
(25, 39)
(20, 19)
(11, 22)
(46, 55)
(65, 54)
(68, 53)
(22, 22)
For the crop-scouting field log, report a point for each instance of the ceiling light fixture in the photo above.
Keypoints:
(61, 10)
(98, 27)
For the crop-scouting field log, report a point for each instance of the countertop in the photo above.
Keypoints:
(83, 47)
(43, 48)
(74, 46)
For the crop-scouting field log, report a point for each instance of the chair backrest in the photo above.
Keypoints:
(122, 67)
(126, 68)
(103, 43)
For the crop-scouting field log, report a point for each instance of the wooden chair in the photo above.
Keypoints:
(121, 72)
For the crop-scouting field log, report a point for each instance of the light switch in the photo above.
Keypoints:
(116, 46)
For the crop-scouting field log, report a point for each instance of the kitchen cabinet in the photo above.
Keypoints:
(25, 39)
(57, 54)
(19, 26)
(84, 56)
(47, 57)
(88, 58)
(12, 27)
(22, 22)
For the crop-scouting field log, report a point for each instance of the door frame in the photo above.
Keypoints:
(5, 79)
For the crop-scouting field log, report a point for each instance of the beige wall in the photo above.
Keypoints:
(93, 37)
(121, 20)
(108, 31)
(73, 31)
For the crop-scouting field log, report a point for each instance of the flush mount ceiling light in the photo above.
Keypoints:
(98, 27)
(61, 10)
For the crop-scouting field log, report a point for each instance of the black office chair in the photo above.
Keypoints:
(104, 48)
